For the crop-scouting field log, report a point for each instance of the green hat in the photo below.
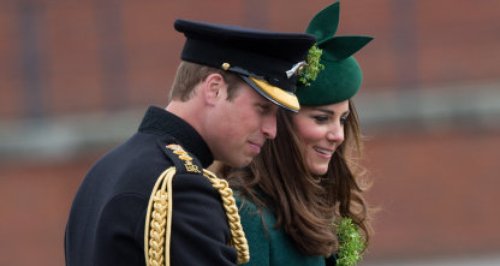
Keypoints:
(341, 76)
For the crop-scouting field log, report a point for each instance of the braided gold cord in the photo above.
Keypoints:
(158, 221)
(238, 238)
(157, 230)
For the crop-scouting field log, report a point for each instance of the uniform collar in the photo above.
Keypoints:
(160, 121)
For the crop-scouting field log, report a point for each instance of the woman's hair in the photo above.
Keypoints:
(306, 206)
(190, 74)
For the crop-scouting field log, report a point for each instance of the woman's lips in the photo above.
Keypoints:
(324, 152)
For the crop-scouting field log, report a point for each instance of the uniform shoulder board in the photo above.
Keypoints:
(183, 161)
(157, 231)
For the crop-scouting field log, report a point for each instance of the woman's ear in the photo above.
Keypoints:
(214, 88)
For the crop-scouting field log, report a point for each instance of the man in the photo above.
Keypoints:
(149, 201)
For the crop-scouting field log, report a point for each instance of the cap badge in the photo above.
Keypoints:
(295, 69)
(226, 66)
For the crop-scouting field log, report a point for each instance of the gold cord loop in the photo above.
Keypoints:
(238, 238)
(157, 232)
(159, 221)
(158, 225)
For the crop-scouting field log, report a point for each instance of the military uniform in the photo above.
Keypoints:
(106, 224)
(130, 210)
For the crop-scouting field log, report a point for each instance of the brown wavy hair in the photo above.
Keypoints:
(305, 205)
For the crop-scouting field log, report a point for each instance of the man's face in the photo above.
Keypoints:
(239, 127)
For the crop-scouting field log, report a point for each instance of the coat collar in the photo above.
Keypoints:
(160, 121)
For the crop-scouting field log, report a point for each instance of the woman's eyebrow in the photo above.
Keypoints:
(325, 111)
(330, 112)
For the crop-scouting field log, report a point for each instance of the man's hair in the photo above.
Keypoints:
(190, 74)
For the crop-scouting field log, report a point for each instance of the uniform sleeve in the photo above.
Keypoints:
(256, 234)
(118, 240)
(200, 231)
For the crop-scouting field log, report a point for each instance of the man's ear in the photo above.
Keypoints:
(214, 88)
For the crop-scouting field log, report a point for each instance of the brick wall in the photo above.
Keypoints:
(60, 56)
(436, 193)
(436, 190)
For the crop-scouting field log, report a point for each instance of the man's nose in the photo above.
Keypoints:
(269, 126)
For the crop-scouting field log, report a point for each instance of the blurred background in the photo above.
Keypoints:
(76, 77)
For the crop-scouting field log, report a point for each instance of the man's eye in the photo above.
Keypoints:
(263, 108)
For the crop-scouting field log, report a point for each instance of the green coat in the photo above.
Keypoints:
(271, 246)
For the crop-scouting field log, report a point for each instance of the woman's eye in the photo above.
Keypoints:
(343, 120)
(320, 118)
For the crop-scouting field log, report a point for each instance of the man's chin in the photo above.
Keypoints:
(241, 163)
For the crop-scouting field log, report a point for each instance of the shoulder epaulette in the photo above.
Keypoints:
(157, 231)
(183, 161)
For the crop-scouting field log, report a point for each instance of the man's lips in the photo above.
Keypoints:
(255, 146)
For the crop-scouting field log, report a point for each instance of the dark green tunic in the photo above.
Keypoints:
(270, 246)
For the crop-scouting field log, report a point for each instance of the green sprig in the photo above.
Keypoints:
(351, 243)
(313, 66)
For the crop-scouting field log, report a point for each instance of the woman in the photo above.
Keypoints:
(305, 183)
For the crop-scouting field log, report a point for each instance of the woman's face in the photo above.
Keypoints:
(321, 131)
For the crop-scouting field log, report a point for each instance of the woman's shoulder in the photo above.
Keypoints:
(269, 245)
(249, 209)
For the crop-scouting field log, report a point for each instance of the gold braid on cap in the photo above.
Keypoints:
(158, 228)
